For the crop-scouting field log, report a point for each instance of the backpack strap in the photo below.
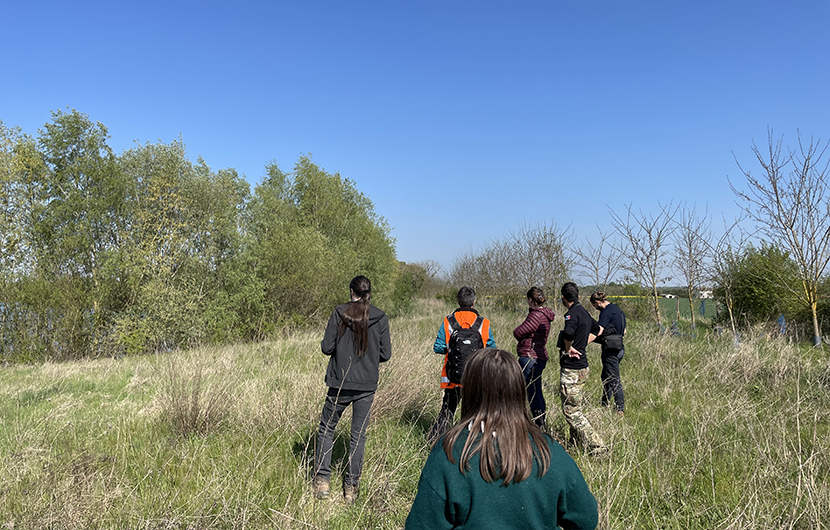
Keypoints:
(453, 322)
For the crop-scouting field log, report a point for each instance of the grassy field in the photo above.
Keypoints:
(715, 436)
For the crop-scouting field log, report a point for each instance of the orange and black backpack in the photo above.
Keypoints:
(462, 342)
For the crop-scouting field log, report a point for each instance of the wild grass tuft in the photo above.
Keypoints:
(195, 398)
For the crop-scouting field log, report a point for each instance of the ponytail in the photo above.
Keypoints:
(537, 296)
(356, 316)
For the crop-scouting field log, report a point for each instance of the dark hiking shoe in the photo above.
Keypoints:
(350, 492)
(320, 487)
(599, 451)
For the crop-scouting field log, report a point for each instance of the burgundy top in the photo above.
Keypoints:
(532, 334)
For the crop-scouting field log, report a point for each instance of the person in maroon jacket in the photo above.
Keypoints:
(532, 335)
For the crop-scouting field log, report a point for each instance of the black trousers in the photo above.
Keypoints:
(452, 396)
(336, 402)
(611, 384)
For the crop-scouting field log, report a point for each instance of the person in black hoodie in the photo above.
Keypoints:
(357, 340)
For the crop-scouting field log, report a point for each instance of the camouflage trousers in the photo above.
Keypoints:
(571, 393)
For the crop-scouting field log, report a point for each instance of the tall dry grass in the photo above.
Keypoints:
(714, 436)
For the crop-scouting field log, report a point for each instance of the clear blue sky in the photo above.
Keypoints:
(461, 119)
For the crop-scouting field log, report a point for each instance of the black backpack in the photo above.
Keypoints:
(463, 342)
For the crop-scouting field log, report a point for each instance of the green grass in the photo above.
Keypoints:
(715, 436)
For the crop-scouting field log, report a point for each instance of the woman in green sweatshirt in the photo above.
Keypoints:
(496, 469)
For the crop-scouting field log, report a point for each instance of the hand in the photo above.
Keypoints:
(574, 353)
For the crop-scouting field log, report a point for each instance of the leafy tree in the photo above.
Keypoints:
(311, 232)
(103, 253)
(764, 279)
(72, 198)
(80, 215)
(15, 230)
(218, 201)
(158, 251)
(410, 279)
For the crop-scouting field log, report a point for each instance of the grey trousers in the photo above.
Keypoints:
(336, 402)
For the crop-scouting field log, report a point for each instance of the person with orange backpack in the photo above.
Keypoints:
(461, 333)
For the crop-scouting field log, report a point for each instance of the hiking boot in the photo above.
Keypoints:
(350, 492)
(598, 450)
(320, 486)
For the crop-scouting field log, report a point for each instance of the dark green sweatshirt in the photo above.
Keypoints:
(449, 499)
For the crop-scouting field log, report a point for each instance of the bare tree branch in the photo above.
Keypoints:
(644, 245)
(790, 204)
(691, 246)
(598, 260)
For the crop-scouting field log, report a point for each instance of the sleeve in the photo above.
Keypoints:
(604, 319)
(525, 328)
(385, 340)
(329, 342)
(570, 328)
(594, 326)
(429, 509)
(443, 501)
(440, 345)
(491, 341)
(577, 508)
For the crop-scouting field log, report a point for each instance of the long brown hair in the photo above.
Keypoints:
(494, 404)
(356, 316)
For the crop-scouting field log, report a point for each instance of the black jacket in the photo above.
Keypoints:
(346, 369)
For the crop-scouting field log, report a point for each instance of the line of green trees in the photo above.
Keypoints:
(106, 254)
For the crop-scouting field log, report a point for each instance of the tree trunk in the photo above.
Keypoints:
(816, 331)
(656, 305)
(731, 318)
(691, 306)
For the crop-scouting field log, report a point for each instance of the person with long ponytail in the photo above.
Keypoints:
(357, 341)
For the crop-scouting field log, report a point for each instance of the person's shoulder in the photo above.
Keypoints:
(438, 455)
(462, 315)
(553, 444)
(376, 314)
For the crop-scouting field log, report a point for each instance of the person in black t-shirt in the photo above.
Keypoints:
(580, 329)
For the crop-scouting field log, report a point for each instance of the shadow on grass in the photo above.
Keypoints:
(303, 450)
(415, 416)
